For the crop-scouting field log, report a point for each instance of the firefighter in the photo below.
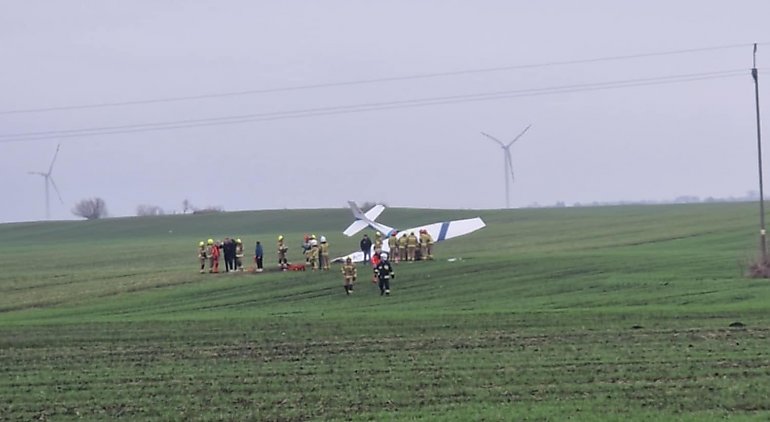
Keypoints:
(424, 239)
(430, 245)
(238, 255)
(377, 243)
(384, 272)
(349, 274)
(283, 263)
(393, 245)
(411, 246)
(402, 246)
(202, 255)
(312, 254)
(324, 249)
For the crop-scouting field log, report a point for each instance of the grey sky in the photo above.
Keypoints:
(643, 143)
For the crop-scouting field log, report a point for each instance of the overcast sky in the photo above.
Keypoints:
(651, 142)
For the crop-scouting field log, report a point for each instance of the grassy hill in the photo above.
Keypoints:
(604, 313)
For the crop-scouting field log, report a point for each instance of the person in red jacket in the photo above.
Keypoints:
(214, 266)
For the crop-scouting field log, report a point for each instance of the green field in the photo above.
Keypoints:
(608, 313)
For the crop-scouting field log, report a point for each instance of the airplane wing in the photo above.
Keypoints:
(356, 227)
(449, 229)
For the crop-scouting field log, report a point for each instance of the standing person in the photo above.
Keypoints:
(349, 274)
(214, 263)
(306, 247)
(385, 273)
(424, 244)
(366, 248)
(324, 249)
(402, 241)
(411, 246)
(283, 263)
(377, 243)
(313, 253)
(393, 245)
(238, 255)
(430, 245)
(202, 255)
(226, 253)
(258, 253)
(210, 254)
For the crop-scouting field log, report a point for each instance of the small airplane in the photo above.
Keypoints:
(438, 231)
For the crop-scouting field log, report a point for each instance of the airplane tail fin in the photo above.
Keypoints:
(363, 219)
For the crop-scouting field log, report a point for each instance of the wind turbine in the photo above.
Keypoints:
(48, 180)
(508, 163)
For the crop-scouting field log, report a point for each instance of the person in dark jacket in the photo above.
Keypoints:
(366, 248)
(228, 247)
(258, 253)
(384, 272)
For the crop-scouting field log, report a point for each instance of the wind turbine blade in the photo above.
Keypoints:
(519, 135)
(36, 173)
(55, 188)
(494, 139)
(50, 168)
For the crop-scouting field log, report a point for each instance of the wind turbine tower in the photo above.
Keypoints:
(48, 180)
(508, 163)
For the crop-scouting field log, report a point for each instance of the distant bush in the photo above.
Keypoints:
(149, 210)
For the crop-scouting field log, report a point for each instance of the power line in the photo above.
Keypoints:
(374, 80)
(357, 108)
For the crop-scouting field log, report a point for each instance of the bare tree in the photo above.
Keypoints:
(91, 209)
(187, 206)
(149, 210)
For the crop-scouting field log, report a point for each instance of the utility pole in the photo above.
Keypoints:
(762, 232)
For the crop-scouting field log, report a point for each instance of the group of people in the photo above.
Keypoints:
(229, 250)
(408, 247)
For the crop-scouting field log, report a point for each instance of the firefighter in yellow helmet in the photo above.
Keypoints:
(202, 255)
(349, 274)
(283, 263)
(411, 246)
(393, 245)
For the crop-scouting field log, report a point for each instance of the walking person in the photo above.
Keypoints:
(258, 253)
(349, 274)
(384, 272)
(366, 248)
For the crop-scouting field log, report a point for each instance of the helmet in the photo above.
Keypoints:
(238, 241)
(280, 237)
(312, 236)
(210, 241)
(323, 239)
(384, 255)
(378, 234)
(349, 260)
(200, 243)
